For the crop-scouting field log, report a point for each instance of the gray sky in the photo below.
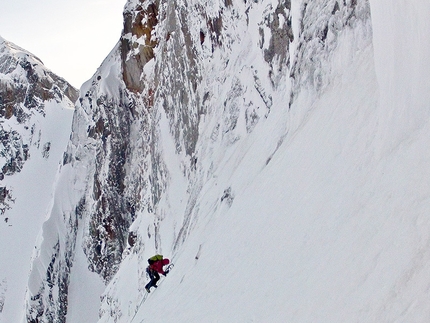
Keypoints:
(71, 37)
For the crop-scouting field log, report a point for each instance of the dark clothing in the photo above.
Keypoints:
(154, 276)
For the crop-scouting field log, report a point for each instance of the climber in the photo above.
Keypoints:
(155, 268)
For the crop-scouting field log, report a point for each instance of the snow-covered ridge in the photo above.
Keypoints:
(36, 108)
(19, 67)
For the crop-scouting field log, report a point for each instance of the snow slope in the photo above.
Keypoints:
(295, 244)
(335, 228)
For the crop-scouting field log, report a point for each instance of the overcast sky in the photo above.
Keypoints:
(71, 37)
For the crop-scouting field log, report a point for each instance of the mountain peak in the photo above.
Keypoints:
(32, 81)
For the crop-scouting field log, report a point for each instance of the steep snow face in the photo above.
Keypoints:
(36, 109)
(248, 142)
(227, 228)
(401, 49)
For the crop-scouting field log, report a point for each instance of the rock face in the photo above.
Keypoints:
(320, 28)
(25, 87)
(186, 85)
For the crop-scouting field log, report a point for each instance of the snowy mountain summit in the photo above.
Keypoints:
(275, 151)
(25, 88)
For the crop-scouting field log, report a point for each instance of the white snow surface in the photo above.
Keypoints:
(327, 213)
(334, 226)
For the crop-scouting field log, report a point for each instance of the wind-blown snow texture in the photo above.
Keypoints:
(275, 151)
